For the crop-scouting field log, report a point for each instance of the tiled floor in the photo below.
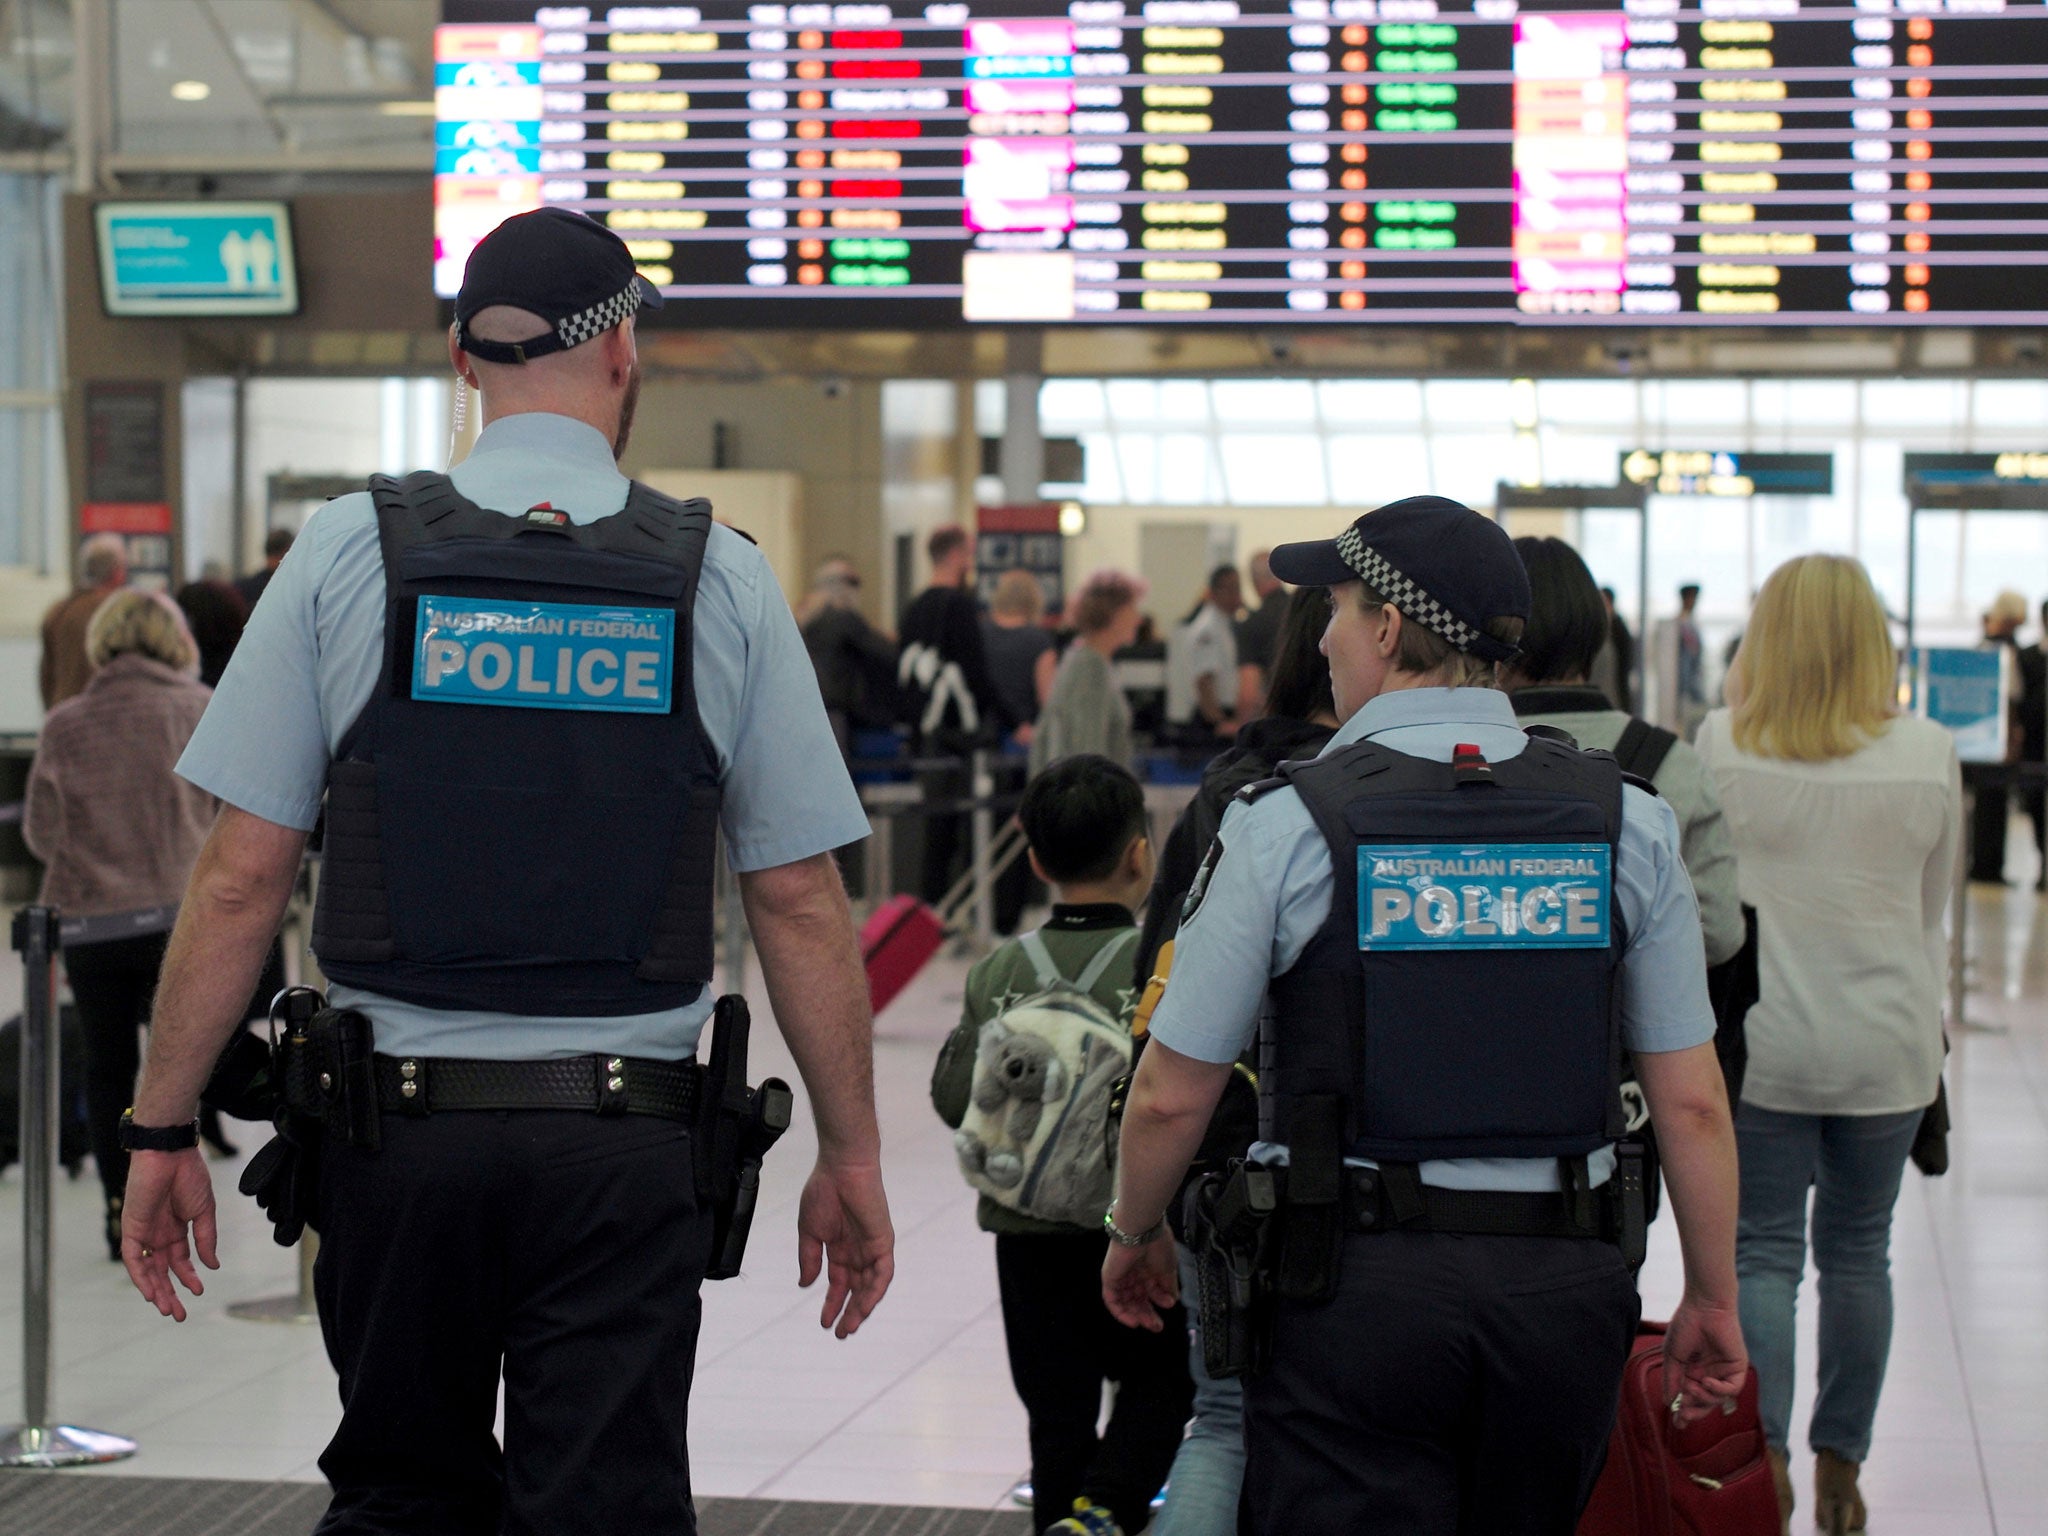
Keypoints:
(918, 1407)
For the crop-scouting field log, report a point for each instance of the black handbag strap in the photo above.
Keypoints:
(1643, 748)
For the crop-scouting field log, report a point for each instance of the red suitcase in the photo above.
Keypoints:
(895, 942)
(1708, 1480)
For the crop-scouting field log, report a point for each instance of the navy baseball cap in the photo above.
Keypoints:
(558, 264)
(1439, 562)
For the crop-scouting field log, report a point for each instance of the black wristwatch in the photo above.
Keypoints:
(157, 1138)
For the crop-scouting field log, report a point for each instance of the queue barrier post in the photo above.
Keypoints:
(983, 824)
(299, 1306)
(36, 1441)
(1959, 918)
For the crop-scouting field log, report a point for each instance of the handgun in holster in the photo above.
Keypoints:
(1228, 1220)
(736, 1125)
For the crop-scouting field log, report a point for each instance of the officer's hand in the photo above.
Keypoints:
(1704, 1361)
(1138, 1283)
(843, 1223)
(167, 1211)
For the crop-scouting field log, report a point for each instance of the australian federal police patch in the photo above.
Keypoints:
(544, 655)
(1492, 896)
(1198, 889)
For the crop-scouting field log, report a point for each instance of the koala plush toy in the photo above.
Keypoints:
(1024, 1073)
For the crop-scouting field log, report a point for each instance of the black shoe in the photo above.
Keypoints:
(113, 1230)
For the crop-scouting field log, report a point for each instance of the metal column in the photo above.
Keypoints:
(36, 1442)
(1023, 460)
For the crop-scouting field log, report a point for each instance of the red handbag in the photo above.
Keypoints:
(1710, 1479)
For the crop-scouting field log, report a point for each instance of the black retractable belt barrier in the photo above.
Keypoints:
(36, 1442)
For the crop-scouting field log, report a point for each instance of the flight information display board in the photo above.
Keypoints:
(911, 164)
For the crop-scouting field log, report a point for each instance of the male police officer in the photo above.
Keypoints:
(1457, 919)
(527, 724)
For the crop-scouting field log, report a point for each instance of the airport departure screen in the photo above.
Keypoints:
(905, 164)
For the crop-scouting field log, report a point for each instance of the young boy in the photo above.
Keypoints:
(1084, 821)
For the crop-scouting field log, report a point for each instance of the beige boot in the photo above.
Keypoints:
(1781, 1479)
(1837, 1502)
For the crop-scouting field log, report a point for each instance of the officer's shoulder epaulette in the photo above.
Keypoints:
(1640, 783)
(1563, 738)
(1258, 789)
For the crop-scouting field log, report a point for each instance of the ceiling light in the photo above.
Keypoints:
(191, 90)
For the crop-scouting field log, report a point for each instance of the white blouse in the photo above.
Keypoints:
(1849, 864)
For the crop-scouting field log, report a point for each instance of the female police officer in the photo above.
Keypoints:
(1461, 926)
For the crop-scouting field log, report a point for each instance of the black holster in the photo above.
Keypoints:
(1228, 1219)
(329, 1070)
(1634, 1169)
(284, 1175)
(736, 1125)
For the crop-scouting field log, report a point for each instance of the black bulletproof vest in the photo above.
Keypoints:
(517, 859)
(1462, 1052)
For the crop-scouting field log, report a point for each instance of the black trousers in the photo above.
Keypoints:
(2033, 800)
(562, 1250)
(1063, 1345)
(1990, 814)
(114, 984)
(1016, 888)
(946, 833)
(1455, 1386)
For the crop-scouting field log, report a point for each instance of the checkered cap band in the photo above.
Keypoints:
(1403, 593)
(599, 318)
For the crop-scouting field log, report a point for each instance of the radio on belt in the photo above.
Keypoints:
(543, 655)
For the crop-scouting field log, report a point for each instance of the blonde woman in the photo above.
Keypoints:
(118, 832)
(1845, 816)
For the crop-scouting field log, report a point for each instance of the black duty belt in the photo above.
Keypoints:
(602, 1085)
(1369, 1206)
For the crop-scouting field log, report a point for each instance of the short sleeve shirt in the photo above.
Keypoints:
(310, 658)
(1205, 646)
(1268, 894)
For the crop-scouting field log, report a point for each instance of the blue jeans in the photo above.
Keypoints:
(1201, 1491)
(1853, 1164)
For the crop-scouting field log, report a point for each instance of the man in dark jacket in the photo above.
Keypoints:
(276, 545)
(855, 662)
(952, 703)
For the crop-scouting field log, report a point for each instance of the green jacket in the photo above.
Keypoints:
(1073, 936)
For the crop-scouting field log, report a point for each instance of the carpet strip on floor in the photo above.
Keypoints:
(57, 1504)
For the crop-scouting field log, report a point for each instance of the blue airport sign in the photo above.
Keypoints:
(197, 259)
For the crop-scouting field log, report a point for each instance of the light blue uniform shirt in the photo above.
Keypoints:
(310, 657)
(1269, 894)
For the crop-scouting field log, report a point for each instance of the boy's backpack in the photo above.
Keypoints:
(1033, 1135)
